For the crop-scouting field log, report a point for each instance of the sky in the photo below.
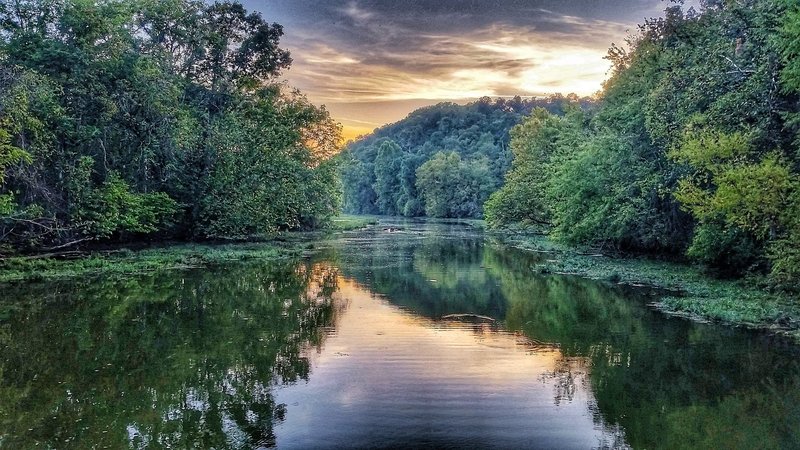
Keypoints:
(371, 62)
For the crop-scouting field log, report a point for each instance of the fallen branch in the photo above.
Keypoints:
(468, 317)
(64, 255)
(68, 244)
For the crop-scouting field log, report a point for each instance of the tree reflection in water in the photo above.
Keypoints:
(662, 382)
(192, 358)
(653, 375)
(173, 359)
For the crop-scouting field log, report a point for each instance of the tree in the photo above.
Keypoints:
(451, 187)
(536, 143)
(154, 118)
(476, 130)
(218, 45)
(387, 186)
(734, 196)
(692, 148)
(271, 170)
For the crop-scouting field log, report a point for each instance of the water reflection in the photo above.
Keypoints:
(666, 383)
(669, 383)
(389, 378)
(358, 347)
(431, 269)
(171, 360)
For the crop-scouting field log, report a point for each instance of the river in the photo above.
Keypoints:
(410, 334)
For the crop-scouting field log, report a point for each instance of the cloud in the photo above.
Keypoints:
(370, 52)
(321, 54)
(484, 61)
(354, 12)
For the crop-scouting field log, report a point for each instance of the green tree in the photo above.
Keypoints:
(136, 118)
(476, 130)
(451, 187)
(536, 143)
(619, 181)
(387, 187)
(733, 195)
(272, 169)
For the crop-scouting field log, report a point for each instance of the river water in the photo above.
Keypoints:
(411, 334)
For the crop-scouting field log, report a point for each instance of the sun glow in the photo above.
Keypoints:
(403, 61)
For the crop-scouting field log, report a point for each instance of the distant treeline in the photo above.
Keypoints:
(153, 118)
(692, 149)
(441, 161)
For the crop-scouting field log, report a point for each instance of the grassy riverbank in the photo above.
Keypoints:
(126, 262)
(347, 222)
(123, 261)
(697, 295)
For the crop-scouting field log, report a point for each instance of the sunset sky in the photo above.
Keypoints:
(372, 62)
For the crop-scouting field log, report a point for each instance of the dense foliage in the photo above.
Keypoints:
(120, 119)
(381, 173)
(450, 187)
(693, 147)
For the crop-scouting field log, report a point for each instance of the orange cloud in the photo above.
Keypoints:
(369, 52)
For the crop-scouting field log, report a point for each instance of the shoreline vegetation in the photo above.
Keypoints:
(690, 292)
(169, 256)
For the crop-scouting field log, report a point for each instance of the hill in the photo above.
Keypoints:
(443, 160)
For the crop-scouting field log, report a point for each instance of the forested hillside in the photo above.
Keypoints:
(693, 148)
(122, 120)
(441, 161)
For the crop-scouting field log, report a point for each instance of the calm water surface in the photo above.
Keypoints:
(422, 336)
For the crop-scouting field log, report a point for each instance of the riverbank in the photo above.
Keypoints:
(123, 261)
(692, 293)
(347, 222)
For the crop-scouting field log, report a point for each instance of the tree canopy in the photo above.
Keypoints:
(380, 171)
(693, 147)
(126, 119)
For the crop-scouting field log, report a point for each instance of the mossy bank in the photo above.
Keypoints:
(689, 291)
(124, 261)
